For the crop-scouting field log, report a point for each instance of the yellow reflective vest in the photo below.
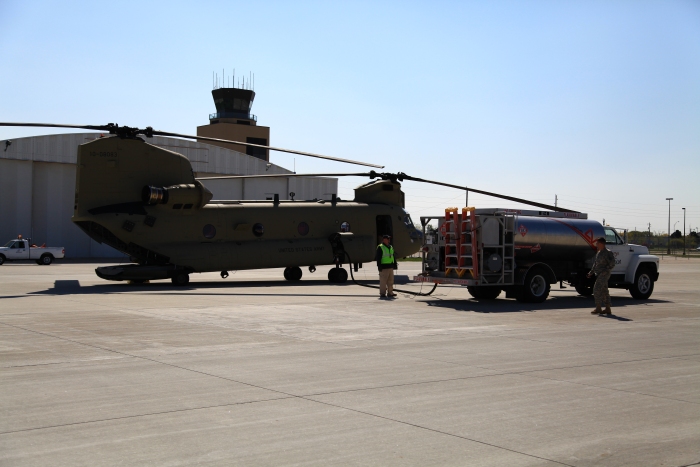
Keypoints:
(387, 254)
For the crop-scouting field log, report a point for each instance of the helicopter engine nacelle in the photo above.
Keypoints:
(195, 195)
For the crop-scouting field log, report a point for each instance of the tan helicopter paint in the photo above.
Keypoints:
(112, 172)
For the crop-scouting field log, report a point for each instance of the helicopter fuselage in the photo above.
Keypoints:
(144, 201)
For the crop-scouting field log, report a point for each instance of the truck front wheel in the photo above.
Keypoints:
(643, 284)
(2, 259)
(484, 293)
(536, 287)
(46, 260)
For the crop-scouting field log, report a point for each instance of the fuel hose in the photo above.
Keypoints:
(418, 294)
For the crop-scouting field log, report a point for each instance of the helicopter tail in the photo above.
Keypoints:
(120, 176)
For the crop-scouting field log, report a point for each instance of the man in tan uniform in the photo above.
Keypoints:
(602, 267)
(386, 263)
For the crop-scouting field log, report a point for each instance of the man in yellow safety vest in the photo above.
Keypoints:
(386, 263)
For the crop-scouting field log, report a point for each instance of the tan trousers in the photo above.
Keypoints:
(386, 280)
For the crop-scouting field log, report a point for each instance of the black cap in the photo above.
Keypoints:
(386, 236)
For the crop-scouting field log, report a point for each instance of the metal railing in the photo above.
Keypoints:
(233, 115)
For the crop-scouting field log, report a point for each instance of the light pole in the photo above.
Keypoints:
(683, 231)
(668, 240)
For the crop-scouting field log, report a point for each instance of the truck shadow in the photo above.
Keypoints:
(503, 305)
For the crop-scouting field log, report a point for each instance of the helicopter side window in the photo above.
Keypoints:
(345, 227)
(258, 230)
(209, 231)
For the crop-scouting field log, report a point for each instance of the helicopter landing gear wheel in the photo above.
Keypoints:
(292, 273)
(181, 279)
(337, 275)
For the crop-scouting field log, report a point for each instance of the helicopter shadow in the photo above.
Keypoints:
(73, 287)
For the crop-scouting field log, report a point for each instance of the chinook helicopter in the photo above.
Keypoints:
(146, 202)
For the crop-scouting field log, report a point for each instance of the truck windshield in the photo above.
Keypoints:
(9, 244)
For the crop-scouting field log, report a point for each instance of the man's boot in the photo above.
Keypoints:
(607, 310)
(597, 311)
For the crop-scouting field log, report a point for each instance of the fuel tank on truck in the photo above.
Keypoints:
(549, 239)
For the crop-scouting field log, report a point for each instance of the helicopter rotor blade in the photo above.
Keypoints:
(58, 125)
(403, 176)
(272, 148)
(399, 177)
(229, 177)
(149, 132)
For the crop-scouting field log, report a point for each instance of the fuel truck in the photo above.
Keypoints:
(524, 252)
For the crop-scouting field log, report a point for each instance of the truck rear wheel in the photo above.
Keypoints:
(46, 259)
(2, 259)
(484, 293)
(536, 287)
(643, 284)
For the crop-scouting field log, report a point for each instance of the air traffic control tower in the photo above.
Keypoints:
(233, 121)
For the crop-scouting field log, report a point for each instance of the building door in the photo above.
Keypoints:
(383, 227)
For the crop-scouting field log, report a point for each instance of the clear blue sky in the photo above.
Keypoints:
(595, 101)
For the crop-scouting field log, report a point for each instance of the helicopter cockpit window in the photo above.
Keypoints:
(345, 227)
(258, 230)
(407, 220)
(209, 231)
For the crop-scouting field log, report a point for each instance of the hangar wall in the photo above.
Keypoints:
(37, 186)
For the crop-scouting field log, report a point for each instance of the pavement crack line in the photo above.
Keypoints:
(433, 430)
(307, 398)
(150, 414)
(285, 394)
(523, 373)
(306, 339)
(609, 389)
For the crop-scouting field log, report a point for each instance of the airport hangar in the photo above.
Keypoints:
(37, 175)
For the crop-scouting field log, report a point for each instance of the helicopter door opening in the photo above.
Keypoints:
(383, 227)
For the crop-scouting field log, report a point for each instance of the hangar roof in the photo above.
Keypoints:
(205, 158)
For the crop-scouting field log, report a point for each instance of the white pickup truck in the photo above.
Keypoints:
(20, 249)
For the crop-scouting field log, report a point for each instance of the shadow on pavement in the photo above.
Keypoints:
(500, 305)
(503, 305)
(73, 287)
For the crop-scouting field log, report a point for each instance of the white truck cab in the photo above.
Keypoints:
(20, 249)
(635, 269)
